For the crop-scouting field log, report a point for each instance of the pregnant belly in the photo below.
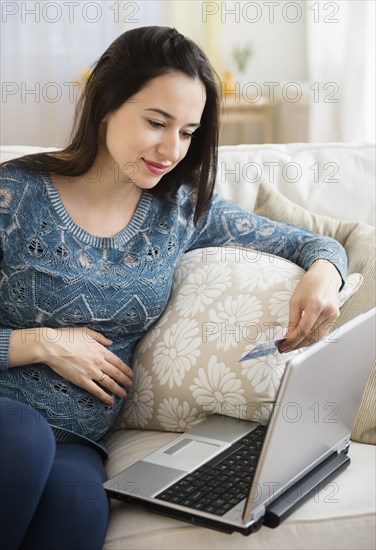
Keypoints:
(60, 402)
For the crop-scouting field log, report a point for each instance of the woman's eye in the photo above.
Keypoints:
(155, 124)
(187, 135)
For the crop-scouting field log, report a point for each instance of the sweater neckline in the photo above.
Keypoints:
(88, 238)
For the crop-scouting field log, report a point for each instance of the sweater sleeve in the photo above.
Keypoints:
(5, 335)
(7, 199)
(225, 223)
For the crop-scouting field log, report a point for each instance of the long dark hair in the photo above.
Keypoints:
(132, 61)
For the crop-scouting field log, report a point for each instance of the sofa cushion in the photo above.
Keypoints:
(332, 179)
(359, 241)
(224, 301)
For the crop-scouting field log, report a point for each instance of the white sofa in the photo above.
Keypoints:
(334, 180)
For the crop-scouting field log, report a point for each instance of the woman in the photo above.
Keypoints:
(89, 240)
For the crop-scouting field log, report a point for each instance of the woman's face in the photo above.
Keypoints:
(152, 131)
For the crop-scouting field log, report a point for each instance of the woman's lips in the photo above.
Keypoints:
(156, 167)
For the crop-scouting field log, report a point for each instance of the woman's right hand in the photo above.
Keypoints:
(79, 355)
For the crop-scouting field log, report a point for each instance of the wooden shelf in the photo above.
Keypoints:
(239, 113)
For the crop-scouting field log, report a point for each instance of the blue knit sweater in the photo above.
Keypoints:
(55, 274)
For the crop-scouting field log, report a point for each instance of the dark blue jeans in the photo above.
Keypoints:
(51, 494)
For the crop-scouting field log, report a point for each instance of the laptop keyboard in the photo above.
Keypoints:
(218, 485)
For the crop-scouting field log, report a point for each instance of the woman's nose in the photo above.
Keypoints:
(169, 146)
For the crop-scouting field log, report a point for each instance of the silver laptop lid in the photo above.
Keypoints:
(315, 409)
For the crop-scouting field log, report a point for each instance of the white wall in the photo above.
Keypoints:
(278, 42)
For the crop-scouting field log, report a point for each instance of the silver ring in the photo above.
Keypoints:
(102, 377)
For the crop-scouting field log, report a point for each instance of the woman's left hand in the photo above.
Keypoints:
(313, 306)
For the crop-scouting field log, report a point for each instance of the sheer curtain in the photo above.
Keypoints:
(45, 47)
(341, 64)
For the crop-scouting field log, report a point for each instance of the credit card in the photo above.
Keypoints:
(262, 349)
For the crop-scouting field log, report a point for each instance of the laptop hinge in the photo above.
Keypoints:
(315, 480)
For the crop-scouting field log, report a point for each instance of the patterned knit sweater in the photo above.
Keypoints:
(55, 274)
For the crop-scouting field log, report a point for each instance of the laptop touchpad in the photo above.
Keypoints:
(185, 454)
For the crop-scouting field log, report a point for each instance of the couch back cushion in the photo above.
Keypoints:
(334, 179)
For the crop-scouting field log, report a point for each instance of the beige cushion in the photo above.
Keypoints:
(359, 241)
(223, 302)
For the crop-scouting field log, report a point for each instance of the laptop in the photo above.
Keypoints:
(235, 475)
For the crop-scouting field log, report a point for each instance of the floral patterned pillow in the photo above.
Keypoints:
(224, 302)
